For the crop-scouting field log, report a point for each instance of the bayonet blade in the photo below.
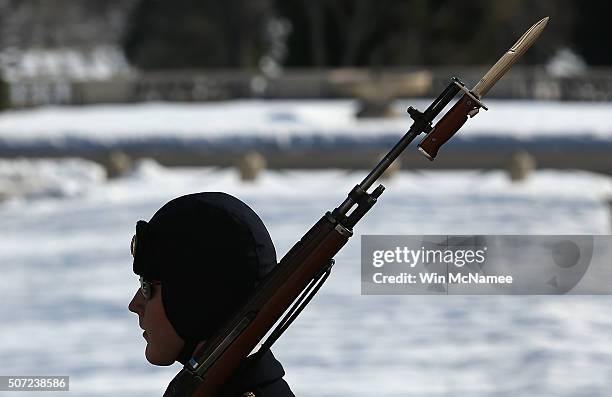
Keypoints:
(509, 58)
(470, 103)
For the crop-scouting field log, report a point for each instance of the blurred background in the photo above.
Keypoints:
(108, 109)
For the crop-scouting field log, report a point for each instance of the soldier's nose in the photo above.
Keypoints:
(137, 303)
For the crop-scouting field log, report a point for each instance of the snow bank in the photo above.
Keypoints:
(295, 125)
(30, 179)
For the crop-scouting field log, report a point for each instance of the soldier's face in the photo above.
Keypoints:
(163, 343)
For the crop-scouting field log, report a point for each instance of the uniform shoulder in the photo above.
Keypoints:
(261, 375)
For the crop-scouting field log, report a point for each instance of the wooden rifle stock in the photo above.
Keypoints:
(448, 126)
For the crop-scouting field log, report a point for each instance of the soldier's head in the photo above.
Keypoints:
(199, 258)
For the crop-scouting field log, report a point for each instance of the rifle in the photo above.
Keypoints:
(304, 269)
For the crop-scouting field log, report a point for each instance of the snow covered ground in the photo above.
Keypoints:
(63, 63)
(66, 282)
(237, 125)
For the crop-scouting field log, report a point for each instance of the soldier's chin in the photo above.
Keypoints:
(156, 358)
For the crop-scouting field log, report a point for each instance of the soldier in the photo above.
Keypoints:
(199, 259)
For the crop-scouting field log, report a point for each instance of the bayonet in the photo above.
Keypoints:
(470, 103)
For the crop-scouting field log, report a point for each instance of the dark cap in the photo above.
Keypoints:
(209, 250)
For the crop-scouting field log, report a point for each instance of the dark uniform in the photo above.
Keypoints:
(258, 376)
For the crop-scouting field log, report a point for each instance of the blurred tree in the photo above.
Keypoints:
(196, 33)
(61, 23)
(349, 32)
(421, 32)
(481, 31)
(333, 33)
(593, 33)
(4, 94)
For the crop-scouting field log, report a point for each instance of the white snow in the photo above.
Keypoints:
(566, 63)
(288, 124)
(96, 63)
(67, 279)
(32, 178)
